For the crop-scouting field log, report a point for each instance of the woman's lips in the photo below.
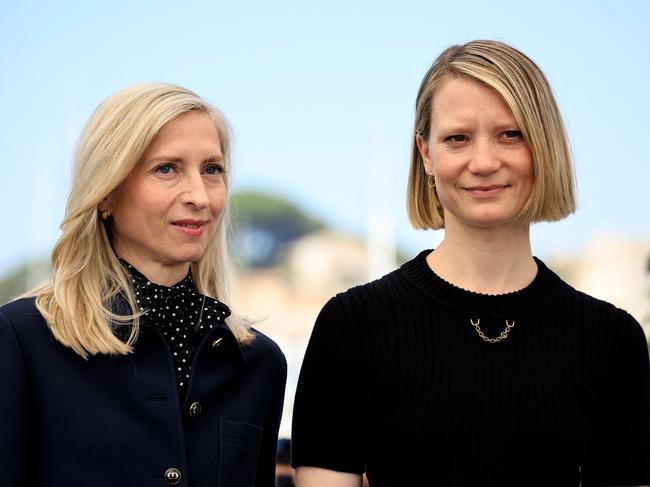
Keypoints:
(486, 191)
(193, 228)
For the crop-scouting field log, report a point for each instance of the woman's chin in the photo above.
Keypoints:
(185, 257)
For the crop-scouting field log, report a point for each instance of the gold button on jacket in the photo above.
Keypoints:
(172, 476)
(195, 409)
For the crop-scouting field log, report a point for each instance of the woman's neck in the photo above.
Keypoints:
(156, 272)
(485, 260)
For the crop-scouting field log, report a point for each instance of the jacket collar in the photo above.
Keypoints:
(220, 338)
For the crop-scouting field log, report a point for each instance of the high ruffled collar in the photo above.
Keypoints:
(181, 296)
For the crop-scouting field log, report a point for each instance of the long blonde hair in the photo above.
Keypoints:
(87, 275)
(526, 91)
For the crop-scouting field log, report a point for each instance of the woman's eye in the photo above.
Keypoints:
(512, 134)
(165, 169)
(456, 138)
(213, 169)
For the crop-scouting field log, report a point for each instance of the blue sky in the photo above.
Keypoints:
(320, 96)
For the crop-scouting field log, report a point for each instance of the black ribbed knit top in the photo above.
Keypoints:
(396, 381)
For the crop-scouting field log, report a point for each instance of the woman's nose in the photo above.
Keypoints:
(195, 192)
(485, 158)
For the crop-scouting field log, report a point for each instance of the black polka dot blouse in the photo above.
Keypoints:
(181, 314)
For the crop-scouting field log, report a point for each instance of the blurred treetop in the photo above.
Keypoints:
(264, 224)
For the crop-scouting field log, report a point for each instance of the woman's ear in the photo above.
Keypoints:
(104, 207)
(423, 147)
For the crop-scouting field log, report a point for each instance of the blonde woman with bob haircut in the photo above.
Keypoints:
(474, 364)
(128, 368)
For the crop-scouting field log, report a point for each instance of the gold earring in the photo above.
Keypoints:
(431, 181)
(105, 215)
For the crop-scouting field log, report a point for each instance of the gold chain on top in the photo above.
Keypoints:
(502, 336)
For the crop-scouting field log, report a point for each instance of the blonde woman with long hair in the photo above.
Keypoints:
(128, 368)
(474, 364)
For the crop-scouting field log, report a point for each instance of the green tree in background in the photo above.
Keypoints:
(263, 225)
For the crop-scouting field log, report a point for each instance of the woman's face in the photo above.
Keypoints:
(167, 210)
(482, 165)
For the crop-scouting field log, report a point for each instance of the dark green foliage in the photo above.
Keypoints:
(264, 224)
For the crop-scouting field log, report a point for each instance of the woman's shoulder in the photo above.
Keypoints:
(267, 348)
(600, 314)
(265, 343)
(366, 303)
(367, 294)
(20, 320)
(21, 313)
(588, 303)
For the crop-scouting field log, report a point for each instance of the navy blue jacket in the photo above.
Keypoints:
(117, 420)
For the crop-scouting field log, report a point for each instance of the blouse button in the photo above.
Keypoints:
(195, 409)
(172, 476)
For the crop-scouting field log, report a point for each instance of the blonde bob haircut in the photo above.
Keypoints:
(87, 275)
(525, 90)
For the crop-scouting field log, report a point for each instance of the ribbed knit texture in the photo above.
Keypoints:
(396, 381)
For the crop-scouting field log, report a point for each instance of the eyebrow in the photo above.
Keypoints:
(455, 127)
(163, 158)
